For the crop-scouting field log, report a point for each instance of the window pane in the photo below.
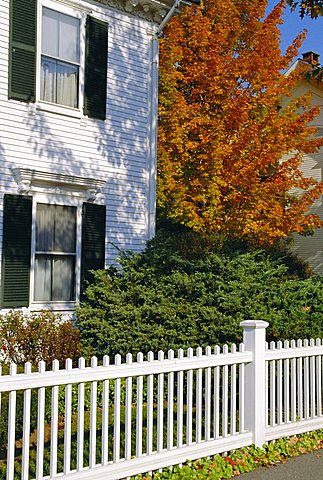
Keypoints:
(43, 278)
(60, 36)
(54, 278)
(50, 32)
(55, 228)
(63, 278)
(48, 80)
(59, 83)
(45, 227)
(65, 229)
(69, 41)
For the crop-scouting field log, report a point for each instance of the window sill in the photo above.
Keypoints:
(59, 110)
(57, 306)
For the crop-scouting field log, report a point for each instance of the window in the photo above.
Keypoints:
(55, 253)
(50, 263)
(58, 57)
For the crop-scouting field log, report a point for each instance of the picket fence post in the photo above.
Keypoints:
(254, 339)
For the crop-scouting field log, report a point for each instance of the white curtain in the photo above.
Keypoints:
(67, 85)
(42, 278)
(59, 83)
(48, 81)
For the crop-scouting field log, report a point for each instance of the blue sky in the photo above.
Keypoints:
(293, 25)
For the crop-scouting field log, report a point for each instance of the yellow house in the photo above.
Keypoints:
(310, 248)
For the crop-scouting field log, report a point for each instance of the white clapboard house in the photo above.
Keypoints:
(310, 248)
(78, 114)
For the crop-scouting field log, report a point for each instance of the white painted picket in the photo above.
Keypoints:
(121, 418)
(294, 371)
(167, 405)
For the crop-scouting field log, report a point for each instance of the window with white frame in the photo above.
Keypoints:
(60, 61)
(55, 253)
(50, 246)
(60, 58)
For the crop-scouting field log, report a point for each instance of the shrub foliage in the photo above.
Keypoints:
(185, 291)
(35, 336)
(31, 337)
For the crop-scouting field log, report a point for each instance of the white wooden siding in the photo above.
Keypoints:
(116, 150)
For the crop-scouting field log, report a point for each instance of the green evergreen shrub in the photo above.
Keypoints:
(185, 291)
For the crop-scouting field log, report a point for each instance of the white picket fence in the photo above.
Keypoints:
(114, 421)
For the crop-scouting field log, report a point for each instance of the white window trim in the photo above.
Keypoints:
(31, 180)
(81, 15)
(66, 201)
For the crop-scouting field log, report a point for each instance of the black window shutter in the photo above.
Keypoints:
(22, 50)
(93, 241)
(17, 215)
(95, 86)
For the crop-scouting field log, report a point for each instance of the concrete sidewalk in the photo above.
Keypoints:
(305, 467)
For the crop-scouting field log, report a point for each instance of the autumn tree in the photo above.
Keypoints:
(222, 132)
(313, 8)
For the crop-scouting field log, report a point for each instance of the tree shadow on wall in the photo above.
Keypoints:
(60, 144)
(123, 140)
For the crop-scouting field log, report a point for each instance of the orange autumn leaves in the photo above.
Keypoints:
(222, 134)
(313, 8)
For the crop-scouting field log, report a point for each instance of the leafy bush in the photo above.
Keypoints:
(184, 291)
(37, 336)
(242, 460)
(33, 337)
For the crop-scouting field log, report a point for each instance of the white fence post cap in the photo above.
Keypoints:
(254, 324)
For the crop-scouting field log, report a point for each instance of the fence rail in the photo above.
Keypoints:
(151, 366)
(294, 386)
(112, 421)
